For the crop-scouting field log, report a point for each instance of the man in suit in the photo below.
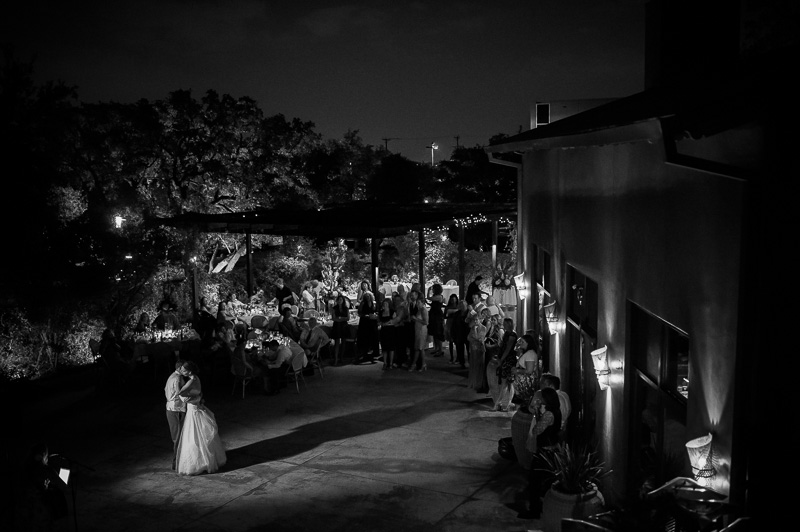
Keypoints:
(176, 407)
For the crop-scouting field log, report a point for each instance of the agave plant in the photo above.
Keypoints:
(576, 469)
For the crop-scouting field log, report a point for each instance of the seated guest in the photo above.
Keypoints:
(278, 361)
(143, 324)
(312, 337)
(240, 366)
(223, 315)
(288, 326)
(166, 319)
(258, 298)
(233, 304)
(222, 344)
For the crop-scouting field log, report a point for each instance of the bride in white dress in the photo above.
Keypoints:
(200, 447)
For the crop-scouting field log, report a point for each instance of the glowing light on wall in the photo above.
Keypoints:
(601, 369)
(522, 286)
(701, 456)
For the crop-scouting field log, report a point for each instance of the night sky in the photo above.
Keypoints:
(413, 72)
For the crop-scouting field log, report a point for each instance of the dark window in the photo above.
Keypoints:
(582, 298)
(660, 358)
(542, 113)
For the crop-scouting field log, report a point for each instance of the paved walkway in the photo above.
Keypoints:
(358, 450)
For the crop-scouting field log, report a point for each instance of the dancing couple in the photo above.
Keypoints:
(197, 447)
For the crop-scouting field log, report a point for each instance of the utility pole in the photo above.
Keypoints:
(432, 147)
(386, 142)
(457, 137)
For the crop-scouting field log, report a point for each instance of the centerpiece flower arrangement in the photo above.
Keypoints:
(503, 279)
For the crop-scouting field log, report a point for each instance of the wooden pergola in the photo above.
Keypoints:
(359, 220)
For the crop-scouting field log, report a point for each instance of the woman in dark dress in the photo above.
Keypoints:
(386, 332)
(459, 331)
(367, 335)
(340, 313)
(505, 366)
(436, 319)
(450, 312)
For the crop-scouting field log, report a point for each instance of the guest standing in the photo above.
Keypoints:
(340, 314)
(477, 351)
(450, 312)
(436, 319)
(367, 333)
(507, 360)
(283, 295)
(459, 331)
(402, 324)
(386, 332)
(419, 318)
(307, 298)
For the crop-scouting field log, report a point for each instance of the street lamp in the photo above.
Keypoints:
(432, 147)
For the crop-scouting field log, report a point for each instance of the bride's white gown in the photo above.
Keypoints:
(200, 447)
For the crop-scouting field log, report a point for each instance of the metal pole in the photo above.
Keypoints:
(422, 261)
(249, 264)
(461, 263)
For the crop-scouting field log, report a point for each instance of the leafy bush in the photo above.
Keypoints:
(577, 469)
(30, 350)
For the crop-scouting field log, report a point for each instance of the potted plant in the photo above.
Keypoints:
(524, 388)
(576, 472)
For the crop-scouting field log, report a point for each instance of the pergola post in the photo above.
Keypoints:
(195, 291)
(375, 273)
(422, 261)
(461, 263)
(249, 241)
(494, 246)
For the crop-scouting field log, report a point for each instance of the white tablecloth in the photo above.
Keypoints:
(505, 297)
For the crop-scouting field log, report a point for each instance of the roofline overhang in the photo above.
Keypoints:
(645, 131)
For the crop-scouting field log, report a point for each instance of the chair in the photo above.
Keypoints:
(241, 373)
(310, 313)
(316, 357)
(259, 322)
(295, 371)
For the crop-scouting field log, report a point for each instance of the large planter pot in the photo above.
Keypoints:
(558, 505)
(520, 425)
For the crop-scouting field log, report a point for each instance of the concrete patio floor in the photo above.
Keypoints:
(358, 450)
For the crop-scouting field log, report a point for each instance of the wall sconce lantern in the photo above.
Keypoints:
(522, 286)
(601, 369)
(118, 221)
(701, 456)
(578, 293)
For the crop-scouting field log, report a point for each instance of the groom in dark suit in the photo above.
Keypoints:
(176, 407)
